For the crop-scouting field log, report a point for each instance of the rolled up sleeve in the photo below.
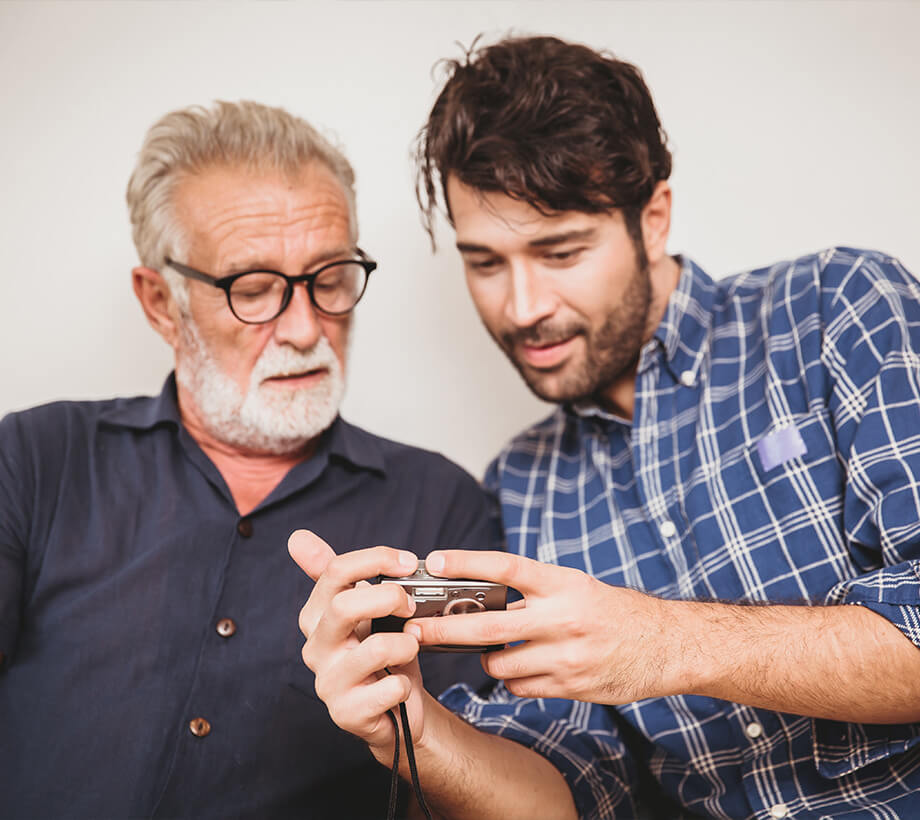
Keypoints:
(579, 739)
(872, 345)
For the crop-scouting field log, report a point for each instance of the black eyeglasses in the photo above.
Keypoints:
(258, 296)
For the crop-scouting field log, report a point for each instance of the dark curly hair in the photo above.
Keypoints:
(554, 124)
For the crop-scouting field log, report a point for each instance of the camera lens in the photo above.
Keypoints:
(463, 606)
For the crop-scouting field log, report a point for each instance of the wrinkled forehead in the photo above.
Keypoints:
(233, 216)
(215, 200)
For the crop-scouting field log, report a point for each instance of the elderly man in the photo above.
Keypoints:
(718, 444)
(151, 663)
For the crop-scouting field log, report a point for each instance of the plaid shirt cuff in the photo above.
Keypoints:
(893, 593)
(592, 760)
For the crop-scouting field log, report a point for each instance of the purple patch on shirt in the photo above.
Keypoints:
(780, 446)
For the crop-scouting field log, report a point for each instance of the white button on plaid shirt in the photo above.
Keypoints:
(774, 455)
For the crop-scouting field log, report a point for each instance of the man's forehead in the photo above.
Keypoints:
(237, 218)
(482, 217)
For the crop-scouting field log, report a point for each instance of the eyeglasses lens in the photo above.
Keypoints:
(258, 296)
(338, 288)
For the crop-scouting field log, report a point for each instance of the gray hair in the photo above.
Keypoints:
(241, 134)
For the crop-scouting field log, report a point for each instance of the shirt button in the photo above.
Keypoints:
(753, 730)
(244, 527)
(687, 379)
(779, 811)
(226, 628)
(667, 529)
(199, 727)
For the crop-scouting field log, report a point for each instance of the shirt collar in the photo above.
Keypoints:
(341, 440)
(145, 412)
(682, 335)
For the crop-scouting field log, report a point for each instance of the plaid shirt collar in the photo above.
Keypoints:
(683, 335)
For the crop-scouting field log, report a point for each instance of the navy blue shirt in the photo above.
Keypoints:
(152, 650)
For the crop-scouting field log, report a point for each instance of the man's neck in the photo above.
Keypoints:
(250, 475)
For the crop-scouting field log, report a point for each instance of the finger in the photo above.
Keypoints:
(538, 686)
(516, 662)
(362, 710)
(387, 652)
(524, 574)
(347, 569)
(474, 629)
(366, 662)
(310, 552)
(360, 603)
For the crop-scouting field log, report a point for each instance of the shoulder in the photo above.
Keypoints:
(61, 417)
(399, 460)
(55, 418)
(54, 432)
(833, 271)
(531, 449)
(38, 444)
(436, 495)
(835, 284)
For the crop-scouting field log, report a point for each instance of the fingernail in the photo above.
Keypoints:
(435, 562)
(414, 631)
(408, 560)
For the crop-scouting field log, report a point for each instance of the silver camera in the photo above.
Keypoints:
(443, 596)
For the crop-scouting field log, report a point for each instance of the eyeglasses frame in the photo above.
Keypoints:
(225, 283)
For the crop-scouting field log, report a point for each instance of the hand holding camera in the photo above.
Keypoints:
(348, 661)
(438, 597)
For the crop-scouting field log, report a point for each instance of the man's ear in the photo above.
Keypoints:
(656, 222)
(157, 302)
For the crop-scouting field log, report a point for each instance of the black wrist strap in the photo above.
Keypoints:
(410, 755)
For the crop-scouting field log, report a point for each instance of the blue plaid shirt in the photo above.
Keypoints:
(774, 455)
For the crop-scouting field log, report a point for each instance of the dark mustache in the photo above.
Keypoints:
(540, 335)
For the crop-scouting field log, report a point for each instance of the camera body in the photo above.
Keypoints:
(435, 597)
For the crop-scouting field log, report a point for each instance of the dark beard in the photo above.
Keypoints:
(612, 350)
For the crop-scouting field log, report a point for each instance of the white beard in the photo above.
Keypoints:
(264, 419)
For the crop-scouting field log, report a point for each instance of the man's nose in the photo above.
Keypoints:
(530, 297)
(299, 324)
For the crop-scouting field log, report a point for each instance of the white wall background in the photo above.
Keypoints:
(794, 126)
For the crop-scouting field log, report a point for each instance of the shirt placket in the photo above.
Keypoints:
(655, 460)
(200, 725)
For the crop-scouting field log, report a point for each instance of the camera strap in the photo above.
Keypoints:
(410, 755)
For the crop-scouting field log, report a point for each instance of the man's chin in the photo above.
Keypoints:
(552, 390)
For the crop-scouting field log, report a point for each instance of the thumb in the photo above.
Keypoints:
(310, 552)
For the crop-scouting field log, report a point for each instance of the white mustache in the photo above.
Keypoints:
(277, 362)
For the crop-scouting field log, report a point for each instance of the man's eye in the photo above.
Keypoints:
(329, 283)
(568, 255)
(483, 265)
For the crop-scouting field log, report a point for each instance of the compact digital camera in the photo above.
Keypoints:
(443, 596)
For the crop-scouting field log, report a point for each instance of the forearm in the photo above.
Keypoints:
(839, 662)
(468, 773)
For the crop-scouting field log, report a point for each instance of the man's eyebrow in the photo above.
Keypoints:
(472, 247)
(253, 264)
(583, 235)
